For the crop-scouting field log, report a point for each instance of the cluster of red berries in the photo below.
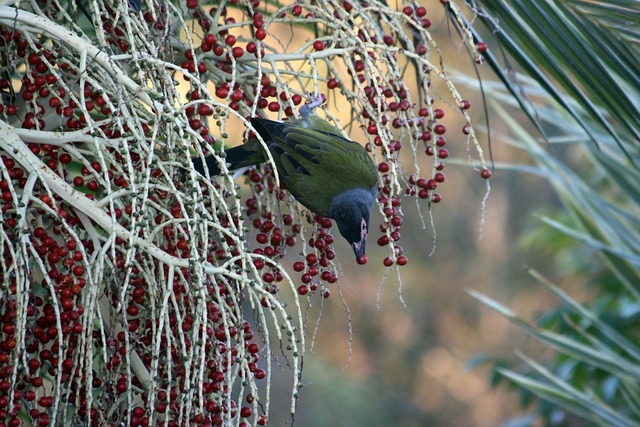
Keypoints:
(275, 233)
(54, 331)
(51, 312)
(390, 229)
(389, 110)
(317, 265)
(269, 97)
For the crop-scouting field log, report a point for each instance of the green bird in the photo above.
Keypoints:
(328, 174)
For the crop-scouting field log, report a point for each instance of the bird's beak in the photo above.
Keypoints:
(359, 250)
(358, 247)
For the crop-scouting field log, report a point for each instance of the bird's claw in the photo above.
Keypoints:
(314, 101)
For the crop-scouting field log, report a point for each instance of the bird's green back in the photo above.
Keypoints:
(310, 154)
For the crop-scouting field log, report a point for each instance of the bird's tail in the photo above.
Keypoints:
(235, 158)
(212, 165)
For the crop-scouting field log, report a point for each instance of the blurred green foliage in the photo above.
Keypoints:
(585, 57)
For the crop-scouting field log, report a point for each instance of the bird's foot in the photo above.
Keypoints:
(314, 101)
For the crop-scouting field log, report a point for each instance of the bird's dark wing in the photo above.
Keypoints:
(315, 163)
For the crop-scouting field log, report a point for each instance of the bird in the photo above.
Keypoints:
(327, 173)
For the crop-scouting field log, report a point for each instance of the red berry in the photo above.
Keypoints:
(65, 158)
(440, 129)
(205, 110)
(326, 276)
(319, 45)
(45, 401)
(485, 173)
(273, 106)
(93, 185)
(222, 92)
(312, 259)
(236, 95)
(237, 52)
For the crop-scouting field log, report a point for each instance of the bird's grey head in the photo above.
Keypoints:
(351, 210)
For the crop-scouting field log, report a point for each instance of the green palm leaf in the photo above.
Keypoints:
(590, 53)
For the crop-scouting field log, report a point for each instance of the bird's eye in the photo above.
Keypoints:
(363, 225)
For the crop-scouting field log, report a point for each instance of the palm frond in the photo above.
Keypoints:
(575, 53)
(584, 59)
